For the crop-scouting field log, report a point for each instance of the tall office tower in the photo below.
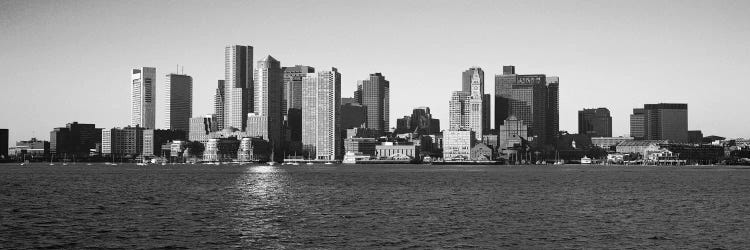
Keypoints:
(358, 93)
(663, 121)
(553, 108)
(143, 97)
(469, 108)
(3, 144)
(422, 121)
(638, 124)
(238, 85)
(595, 122)
(321, 118)
(459, 110)
(269, 85)
(529, 98)
(292, 99)
(178, 102)
(353, 115)
(201, 127)
(219, 106)
(375, 96)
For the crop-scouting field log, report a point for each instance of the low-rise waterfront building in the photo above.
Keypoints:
(608, 142)
(457, 145)
(253, 149)
(364, 146)
(389, 150)
(482, 152)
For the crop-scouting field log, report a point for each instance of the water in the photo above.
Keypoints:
(370, 206)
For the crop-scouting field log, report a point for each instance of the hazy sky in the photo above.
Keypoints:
(65, 61)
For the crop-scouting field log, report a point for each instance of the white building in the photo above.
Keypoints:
(143, 97)
(321, 118)
(201, 127)
(457, 144)
(238, 85)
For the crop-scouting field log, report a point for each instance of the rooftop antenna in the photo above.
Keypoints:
(183, 70)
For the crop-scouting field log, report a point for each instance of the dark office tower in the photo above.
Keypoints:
(663, 121)
(403, 125)
(695, 136)
(353, 115)
(238, 85)
(75, 140)
(350, 100)
(553, 108)
(375, 97)
(269, 84)
(178, 102)
(3, 144)
(292, 97)
(422, 122)
(219, 106)
(358, 93)
(638, 124)
(595, 122)
(667, 121)
(529, 98)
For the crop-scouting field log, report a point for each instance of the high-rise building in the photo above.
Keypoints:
(375, 97)
(238, 85)
(3, 143)
(178, 101)
(75, 140)
(321, 118)
(533, 99)
(269, 85)
(219, 106)
(469, 108)
(353, 115)
(143, 97)
(201, 127)
(420, 122)
(292, 100)
(595, 122)
(663, 121)
(638, 124)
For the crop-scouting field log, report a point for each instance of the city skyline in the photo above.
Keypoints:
(673, 50)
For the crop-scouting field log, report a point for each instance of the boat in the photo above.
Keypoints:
(270, 163)
(585, 160)
(309, 163)
(328, 163)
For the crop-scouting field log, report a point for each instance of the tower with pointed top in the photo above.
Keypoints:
(269, 82)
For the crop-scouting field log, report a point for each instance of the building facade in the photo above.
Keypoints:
(533, 99)
(201, 127)
(390, 151)
(663, 121)
(269, 84)
(457, 144)
(292, 99)
(608, 142)
(512, 133)
(321, 117)
(143, 97)
(4, 140)
(362, 146)
(238, 85)
(374, 94)
(75, 140)
(127, 142)
(219, 106)
(178, 101)
(595, 122)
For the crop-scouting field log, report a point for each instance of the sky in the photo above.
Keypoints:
(64, 61)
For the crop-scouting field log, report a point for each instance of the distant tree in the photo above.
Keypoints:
(196, 148)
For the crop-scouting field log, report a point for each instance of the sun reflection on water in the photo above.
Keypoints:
(261, 205)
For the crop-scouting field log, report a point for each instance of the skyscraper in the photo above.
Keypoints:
(219, 106)
(143, 97)
(638, 124)
(292, 100)
(595, 122)
(3, 144)
(663, 121)
(178, 102)
(375, 97)
(321, 119)
(269, 83)
(469, 108)
(532, 99)
(238, 85)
